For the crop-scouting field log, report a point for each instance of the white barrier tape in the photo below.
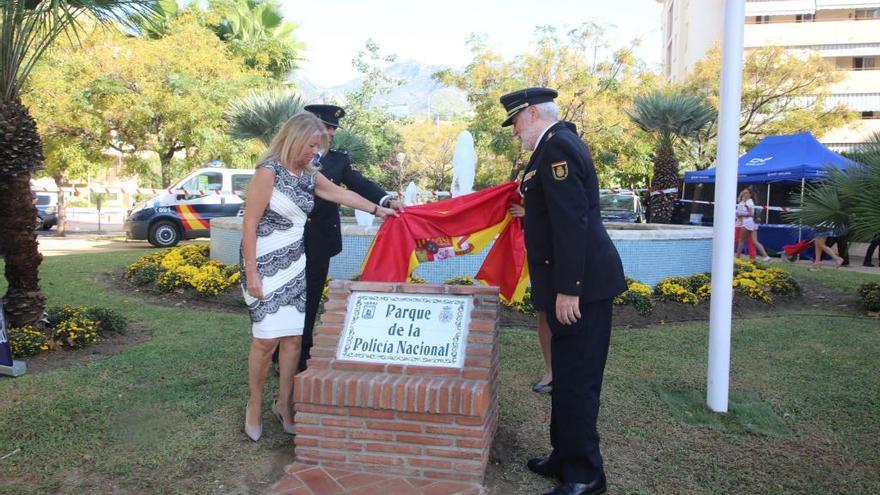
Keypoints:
(757, 207)
(132, 190)
(671, 190)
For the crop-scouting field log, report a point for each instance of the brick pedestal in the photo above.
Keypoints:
(415, 421)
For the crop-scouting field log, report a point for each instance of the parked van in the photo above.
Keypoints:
(47, 209)
(185, 210)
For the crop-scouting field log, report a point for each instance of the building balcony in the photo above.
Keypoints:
(858, 81)
(860, 131)
(811, 34)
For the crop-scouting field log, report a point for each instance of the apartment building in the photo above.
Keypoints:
(845, 32)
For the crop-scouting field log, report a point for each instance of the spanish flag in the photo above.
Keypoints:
(455, 227)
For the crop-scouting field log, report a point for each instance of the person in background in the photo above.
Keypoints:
(273, 261)
(545, 385)
(745, 213)
(820, 241)
(875, 242)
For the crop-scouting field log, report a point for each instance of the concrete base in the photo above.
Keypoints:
(18, 368)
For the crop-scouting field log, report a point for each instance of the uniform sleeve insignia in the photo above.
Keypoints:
(529, 175)
(560, 170)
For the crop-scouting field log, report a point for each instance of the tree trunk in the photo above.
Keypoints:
(23, 302)
(660, 206)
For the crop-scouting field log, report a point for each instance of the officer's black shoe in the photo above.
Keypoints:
(545, 466)
(867, 263)
(595, 487)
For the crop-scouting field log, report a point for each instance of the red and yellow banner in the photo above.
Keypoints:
(454, 227)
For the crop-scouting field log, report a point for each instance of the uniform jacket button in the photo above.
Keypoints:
(546, 262)
(577, 282)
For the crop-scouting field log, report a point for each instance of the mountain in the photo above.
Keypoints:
(419, 95)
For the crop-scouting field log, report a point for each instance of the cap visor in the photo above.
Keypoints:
(509, 121)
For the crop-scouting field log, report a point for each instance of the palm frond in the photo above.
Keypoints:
(29, 27)
(355, 146)
(671, 115)
(260, 114)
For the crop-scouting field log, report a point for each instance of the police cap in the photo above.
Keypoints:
(518, 100)
(329, 114)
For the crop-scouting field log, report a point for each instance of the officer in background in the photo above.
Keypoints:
(323, 233)
(575, 274)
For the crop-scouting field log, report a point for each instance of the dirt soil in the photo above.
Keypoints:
(108, 345)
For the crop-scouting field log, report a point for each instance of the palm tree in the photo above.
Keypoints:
(670, 117)
(847, 200)
(257, 30)
(260, 114)
(27, 29)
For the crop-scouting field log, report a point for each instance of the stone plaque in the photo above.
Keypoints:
(419, 329)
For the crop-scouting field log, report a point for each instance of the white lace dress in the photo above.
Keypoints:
(281, 258)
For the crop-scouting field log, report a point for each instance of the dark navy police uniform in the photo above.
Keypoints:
(323, 232)
(569, 252)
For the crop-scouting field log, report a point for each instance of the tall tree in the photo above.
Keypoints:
(165, 96)
(27, 29)
(429, 147)
(256, 30)
(373, 124)
(595, 82)
(783, 93)
(668, 117)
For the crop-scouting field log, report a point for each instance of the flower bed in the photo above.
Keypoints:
(185, 267)
(69, 327)
(752, 280)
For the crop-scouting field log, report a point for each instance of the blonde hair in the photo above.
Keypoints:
(742, 193)
(293, 136)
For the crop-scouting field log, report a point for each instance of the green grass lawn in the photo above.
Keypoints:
(164, 416)
(829, 277)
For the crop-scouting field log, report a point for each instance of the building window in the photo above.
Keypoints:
(762, 19)
(871, 115)
(867, 13)
(804, 18)
(863, 63)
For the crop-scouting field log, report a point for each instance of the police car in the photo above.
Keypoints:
(185, 210)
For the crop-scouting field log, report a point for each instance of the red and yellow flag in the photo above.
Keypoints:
(454, 227)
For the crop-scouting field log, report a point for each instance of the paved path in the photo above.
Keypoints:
(305, 479)
(90, 243)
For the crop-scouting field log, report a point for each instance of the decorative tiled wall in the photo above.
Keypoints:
(649, 253)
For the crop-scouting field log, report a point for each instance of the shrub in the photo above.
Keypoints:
(694, 282)
(869, 296)
(145, 274)
(415, 279)
(107, 320)
(782, 283)
(675, 289)
(460, 280)
(525, 306)
(207, 280)
(637, 295)
(325, 292)
(76, 332)
(751, 288)
(26, 341)
(57, 314)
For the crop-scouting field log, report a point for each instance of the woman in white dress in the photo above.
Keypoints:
(273, 260)
(745, 218)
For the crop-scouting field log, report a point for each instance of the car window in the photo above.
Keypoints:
(616, 202)
(240, 182)
(208, 181)
(43, 200)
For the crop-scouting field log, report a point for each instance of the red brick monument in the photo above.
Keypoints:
(403, 380)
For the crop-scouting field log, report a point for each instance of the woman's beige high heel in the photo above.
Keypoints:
(287, 427)
(253, 432)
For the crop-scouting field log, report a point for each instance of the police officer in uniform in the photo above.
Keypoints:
(575, 274)
(323, 234)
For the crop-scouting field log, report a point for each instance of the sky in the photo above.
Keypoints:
(436, 33)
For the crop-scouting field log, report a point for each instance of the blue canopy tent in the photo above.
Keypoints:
(788, 158)
(791, 159)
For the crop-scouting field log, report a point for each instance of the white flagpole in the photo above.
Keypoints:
(725, 198)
